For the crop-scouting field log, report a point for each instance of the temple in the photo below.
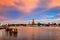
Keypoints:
(33, 22)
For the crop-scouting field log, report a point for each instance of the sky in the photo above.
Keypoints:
(23, 11)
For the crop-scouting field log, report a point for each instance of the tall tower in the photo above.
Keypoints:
(33, 22)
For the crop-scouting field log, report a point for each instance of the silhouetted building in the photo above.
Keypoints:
(33, 22)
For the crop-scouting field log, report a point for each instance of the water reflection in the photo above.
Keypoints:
(11, 32)
(30, 33)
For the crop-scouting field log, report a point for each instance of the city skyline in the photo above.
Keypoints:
(23, 11)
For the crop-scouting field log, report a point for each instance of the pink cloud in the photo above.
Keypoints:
(28, 5)
(24, 5)
(7, 2)
(2, 18)
(54, 3)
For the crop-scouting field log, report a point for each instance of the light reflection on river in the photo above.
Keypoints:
(33, 33)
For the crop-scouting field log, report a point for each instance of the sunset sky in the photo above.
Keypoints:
(23, 11)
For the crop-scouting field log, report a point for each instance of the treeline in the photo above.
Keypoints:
(48, 24)
(38, 24)
(8, 25)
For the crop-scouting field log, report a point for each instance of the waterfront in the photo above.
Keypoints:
(32, 33)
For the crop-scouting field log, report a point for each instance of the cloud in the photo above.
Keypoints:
(54, 3)
(57, 16)
(2, 18)
(9, 11)
(28, 5)
(23, 5)
(16, 21)
(7, 2)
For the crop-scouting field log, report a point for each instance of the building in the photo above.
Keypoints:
(33, 22)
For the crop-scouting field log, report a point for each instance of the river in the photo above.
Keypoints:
(32, 33)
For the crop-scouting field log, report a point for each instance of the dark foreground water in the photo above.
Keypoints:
(32, 33)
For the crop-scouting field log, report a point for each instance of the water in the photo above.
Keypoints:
(32, 33)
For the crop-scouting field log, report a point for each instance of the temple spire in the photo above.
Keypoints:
(33, 22)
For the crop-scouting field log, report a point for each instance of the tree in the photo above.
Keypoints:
(59, 24)
(54, 24)
(39, 24)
